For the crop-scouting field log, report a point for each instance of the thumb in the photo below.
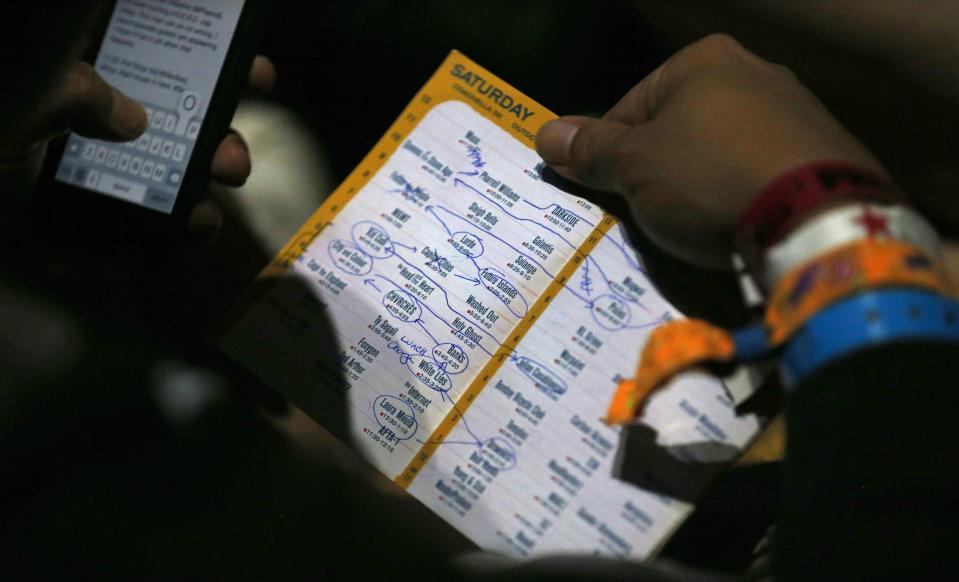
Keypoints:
(593, 152)
(85, 103)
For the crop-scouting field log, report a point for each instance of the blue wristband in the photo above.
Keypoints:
(868, 319)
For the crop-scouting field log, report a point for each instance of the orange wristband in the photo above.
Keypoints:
(671, 349)
(845, 271)
(849, 269)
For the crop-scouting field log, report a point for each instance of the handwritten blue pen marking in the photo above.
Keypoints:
(387, 245)
(436, 258)
(554, 205)
(446, 297)
(612, 289)
(458, 182)
(432, 210)
(447, 353)
(408, 191)
(466, 426)
(541, 376)
(631, 260)
(497, 444)
(647, 325)
(392, 253)
(479, 270)
(348, 258)
(619, 245)
(430, 376)
(401, 305)
(420, 322)
(467, 244)
(416, 348)
(436, 315)
(500, 280)
(586, 300)
(403, 354)
(476, 159)
(381, 247)
(404, 246)
(405, 357)
(437, 285)
(616, 323)
(617, 293)
(390, 249)
(401, 412)
(586, 284)
(475, 154)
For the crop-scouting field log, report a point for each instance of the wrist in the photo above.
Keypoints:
(872, 318)
(843, 224)
(802, 194)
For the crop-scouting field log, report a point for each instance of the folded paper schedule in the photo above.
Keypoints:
(464, 324)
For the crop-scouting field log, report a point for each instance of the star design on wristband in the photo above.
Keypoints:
(875, 224)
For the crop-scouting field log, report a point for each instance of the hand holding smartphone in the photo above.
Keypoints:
(187, 63)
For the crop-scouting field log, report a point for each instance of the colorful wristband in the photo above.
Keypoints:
(864, 320)
(671, 348)
(845, 225)
(794, 194)
(849, 270)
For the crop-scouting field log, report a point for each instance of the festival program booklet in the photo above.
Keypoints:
(464, 324)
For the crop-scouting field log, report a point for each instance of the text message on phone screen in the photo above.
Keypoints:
(166, 54)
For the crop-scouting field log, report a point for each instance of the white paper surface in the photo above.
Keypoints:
(422, 275)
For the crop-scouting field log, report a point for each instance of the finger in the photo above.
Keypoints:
(590, 151)
(206, 220)
(91, 107)
(639, 103)
(231, 162)
(262, 76)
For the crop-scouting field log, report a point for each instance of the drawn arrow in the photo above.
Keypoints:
(372, 283)
(472, 280)
(396, 244)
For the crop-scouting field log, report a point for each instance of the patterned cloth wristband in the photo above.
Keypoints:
(844, 271)
(794, 194)
(844, 225)
(849, 270)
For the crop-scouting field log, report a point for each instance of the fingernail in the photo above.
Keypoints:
(554, 140)
(128, 117)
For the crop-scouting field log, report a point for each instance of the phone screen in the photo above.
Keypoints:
(166, 54)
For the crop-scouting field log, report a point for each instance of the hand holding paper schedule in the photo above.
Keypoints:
(484, 318)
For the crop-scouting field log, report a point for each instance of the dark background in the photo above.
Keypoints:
(349, 68)
(103, 484)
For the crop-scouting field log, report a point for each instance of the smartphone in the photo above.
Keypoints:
(187, 62)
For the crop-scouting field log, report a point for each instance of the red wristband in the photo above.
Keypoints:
(793, 194)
